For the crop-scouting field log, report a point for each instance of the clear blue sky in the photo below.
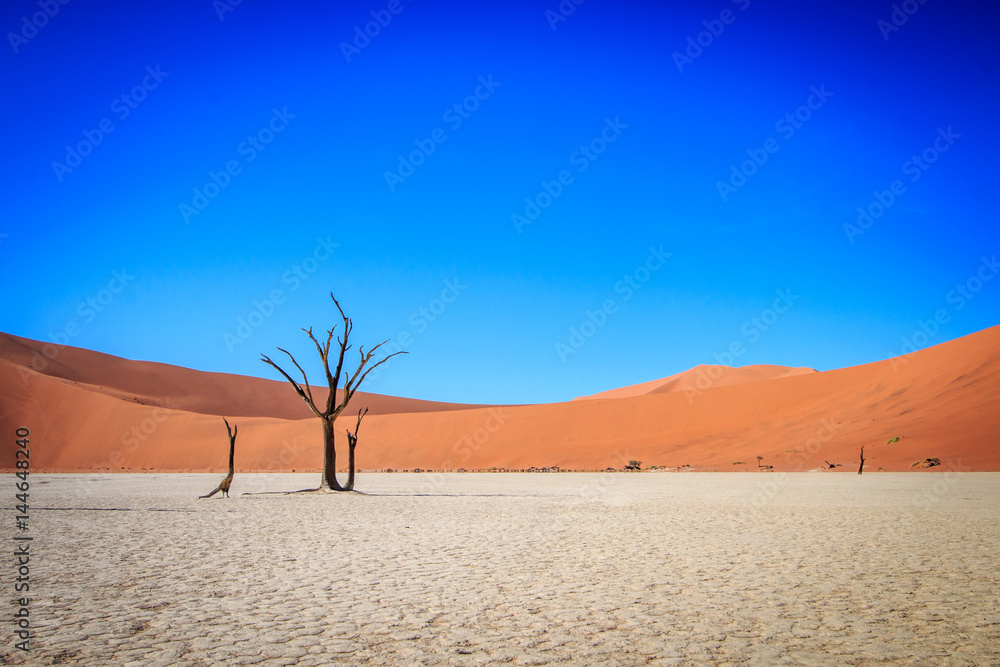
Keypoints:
(640, 123)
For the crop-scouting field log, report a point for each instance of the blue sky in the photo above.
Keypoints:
(259, 158)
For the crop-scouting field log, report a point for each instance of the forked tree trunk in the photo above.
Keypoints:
(352, 443)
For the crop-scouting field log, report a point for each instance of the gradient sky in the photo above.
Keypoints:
(101, 255)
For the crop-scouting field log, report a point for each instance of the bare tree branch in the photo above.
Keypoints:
(305, 378)
(354, 436)
(323, 350)
(298, 390)
(331, 400)
(357, 384)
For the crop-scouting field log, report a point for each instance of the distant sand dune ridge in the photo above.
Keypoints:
(90, 411)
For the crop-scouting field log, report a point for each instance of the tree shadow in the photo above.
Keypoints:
(112, 509)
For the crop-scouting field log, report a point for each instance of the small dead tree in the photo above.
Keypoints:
(862, 466)
(352, 442)
(227, 482)
(329, 411)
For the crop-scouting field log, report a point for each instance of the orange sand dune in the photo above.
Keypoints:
(702, 376)
(941, 402)
(162, 385)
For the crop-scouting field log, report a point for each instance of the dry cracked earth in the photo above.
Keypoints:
(520, 569)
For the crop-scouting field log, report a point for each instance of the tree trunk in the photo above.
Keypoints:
(329, 459)
(227, 482)
(352, 442)
(232, 453)
(862, 466)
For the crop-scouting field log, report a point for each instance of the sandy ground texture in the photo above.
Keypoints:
(521, 569)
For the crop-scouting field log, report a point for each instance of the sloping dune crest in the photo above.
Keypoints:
(702, 376)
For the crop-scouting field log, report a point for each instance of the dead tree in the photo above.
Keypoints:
(227, 482)
(352, 442)
(862, 466)
(329, 411)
